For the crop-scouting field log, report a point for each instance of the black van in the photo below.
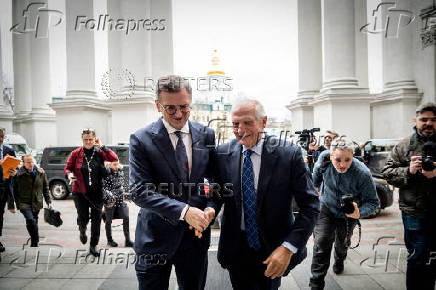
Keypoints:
(53, 161)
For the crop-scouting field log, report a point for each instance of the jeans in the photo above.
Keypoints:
(421, 270)
(329, 230)
(31, 224)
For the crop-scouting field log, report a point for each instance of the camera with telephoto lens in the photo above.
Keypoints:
(428, 156)
(347, 206)
(305, 137)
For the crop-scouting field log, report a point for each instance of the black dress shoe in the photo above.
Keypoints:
(338, 267)
(83, 237)
(129, 243)
(112, 243)
(94, 251)
(2, 248)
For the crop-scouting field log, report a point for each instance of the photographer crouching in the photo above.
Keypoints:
(347, 194)
(411, 167)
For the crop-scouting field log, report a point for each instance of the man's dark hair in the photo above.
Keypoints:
(428, 107)
(172, 84)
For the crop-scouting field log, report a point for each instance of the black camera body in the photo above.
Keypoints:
(428, 156)
(305, 137)
(347, 206)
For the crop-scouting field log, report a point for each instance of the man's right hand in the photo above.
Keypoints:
(415, 164)
(196, 218)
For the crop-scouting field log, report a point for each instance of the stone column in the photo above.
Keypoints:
(34, 118)
(145, 54)
(6, 66)
(87, 62)
(310, 63)
(394, 108)
(344, 100)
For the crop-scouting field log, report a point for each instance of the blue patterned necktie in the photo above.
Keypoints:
(182, 158)
(249, 202)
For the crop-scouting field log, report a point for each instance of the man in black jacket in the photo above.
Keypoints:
(5, 184)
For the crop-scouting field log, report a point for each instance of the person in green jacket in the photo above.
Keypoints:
(30, 185)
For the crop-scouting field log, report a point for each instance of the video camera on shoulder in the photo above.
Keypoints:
(347, 206)
(305, 137)
(428, 156)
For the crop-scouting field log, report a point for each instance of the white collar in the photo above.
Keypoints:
(256, 148)
(171, 129)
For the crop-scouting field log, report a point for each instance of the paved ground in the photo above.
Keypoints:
(60, 262)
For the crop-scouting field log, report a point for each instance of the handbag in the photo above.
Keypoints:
(52, 217)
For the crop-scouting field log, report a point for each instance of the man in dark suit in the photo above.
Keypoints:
(169, 160)
(5, 184)
(260, 238)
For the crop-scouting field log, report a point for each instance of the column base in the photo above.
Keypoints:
(394, 109)
(37, 127)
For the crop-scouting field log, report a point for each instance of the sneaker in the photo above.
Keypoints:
(338, 267)
(112, 243)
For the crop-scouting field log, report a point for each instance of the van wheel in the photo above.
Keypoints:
(58, 190)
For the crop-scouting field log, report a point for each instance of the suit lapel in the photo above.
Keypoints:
(235, 169)
(163, 143)
(196, 152)
(267, 165)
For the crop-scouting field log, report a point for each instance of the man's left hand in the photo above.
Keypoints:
(277, 262)
(429, 174)
(356, 213)
(12, 172)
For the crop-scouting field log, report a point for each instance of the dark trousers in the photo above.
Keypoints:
(421, 268)
(248, 271)
(83, 205)
(3, 200)
(31, 223)
(109, 217)
(329, 230)
(190, 261)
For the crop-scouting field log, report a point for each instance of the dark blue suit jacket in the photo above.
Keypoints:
(282, 177)
(7, 182)
(152, 162)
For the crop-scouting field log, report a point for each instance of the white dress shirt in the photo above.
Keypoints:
(187, 140)
(256, 158)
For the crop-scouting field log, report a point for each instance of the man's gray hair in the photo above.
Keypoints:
(243, 101)
(342, 144)
(3, 129)
(172, 84)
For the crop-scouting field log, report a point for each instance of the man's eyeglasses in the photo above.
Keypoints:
(172, 109)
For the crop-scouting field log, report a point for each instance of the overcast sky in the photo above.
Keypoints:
(256, 42)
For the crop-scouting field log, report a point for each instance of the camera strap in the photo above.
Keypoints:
(350, 234)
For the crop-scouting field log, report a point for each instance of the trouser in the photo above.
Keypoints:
(31, 224)
(108, 224)
(247, 272)
(190, 261)
(83, 205)
(329, 230)
(3, 200)
(421, 261)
